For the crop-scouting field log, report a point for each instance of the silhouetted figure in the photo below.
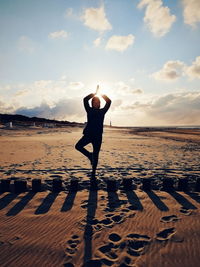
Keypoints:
(94, 129)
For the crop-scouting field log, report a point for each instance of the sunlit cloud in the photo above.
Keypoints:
(126, 89)
(58, 35)
(21, 92)
(95, 18)
(171, 109)
(171, 71)
(33, 94)
(158, 18)
(76, 85)
(137, 91)
(191, 11)
(116, 104)
(64, 109)
(136, 105)
(97, 42)
(177, 108)
(120, 43)
(25, 44)
(193, 71)
(6, 108)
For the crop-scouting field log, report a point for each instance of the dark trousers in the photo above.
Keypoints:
(96, 143)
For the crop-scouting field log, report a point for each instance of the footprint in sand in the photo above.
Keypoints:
(111, 220)
(114, 237)
(170, 218)
(118, 218)
(165, 234)
(71, 249)
(84, 204)
(137, 244)
(109, 255)
(185, 211)
(134, 244)
(108, 222)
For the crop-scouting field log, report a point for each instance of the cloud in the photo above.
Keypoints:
(171, 71)
(25, 44)
(46, 98)
(182, 108)
(193, 71)
(136, 106)
(137, 91)
(95, 18)
(58, 35)
(76, 85)
(157, 17)
(7, 105)
(171, 109)
(191, 11)
(120, 43)
(123, 88)
(21, 92)
(63, 109)
(97, 41)
(48, 91)
(116, 104)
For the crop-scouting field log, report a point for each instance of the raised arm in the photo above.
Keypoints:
(85, 101)
(108, 103)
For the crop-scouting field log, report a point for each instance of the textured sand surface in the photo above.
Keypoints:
(100, 228)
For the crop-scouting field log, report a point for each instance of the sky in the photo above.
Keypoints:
(144, 54)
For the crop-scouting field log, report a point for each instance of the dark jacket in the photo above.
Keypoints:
(95, 117)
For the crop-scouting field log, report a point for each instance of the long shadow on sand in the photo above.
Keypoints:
(69, 201)
(88, 233)
(194, 196)
(182, 200)
(19, 206)
(113, 201)
(46, 204)
(134, 200)
(157, 201)
(7, 199)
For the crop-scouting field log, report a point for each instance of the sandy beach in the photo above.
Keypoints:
(100, 227)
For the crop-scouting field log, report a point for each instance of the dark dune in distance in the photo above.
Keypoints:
(25, 120)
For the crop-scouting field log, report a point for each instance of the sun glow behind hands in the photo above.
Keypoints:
(103, 88)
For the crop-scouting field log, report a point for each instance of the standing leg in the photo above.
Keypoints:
(96, 142)
(85, 140)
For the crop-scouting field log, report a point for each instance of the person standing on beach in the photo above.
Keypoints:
(93, 131)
